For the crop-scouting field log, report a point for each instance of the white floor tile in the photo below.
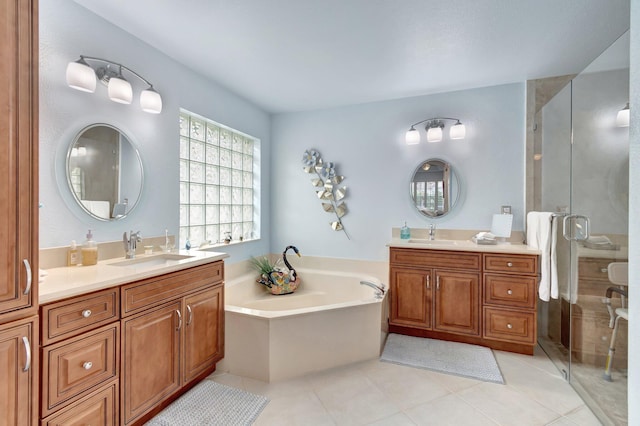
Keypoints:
(399, 419)
(407, 387)
(297, 409)
(507, 406)
(354, 399)
(384, 394)
(448, 411)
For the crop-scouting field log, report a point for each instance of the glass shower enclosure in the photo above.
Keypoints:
(579, 151)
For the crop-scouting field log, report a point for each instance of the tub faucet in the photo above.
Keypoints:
(378, 287)
(130, 243)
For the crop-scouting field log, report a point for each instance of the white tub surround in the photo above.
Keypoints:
(331, 320)
(68, 281)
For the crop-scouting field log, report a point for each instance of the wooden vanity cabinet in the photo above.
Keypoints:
(472, 297)
(509, 303)
(19, 212)
(172, 335)
(19, 377)
(81, 359)
(434, 290)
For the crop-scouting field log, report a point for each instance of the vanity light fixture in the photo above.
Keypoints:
(82, 76)
(622, 120)
(434, 128)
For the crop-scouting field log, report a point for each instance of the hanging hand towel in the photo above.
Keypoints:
(539, 236)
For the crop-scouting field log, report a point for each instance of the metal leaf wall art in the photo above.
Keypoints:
(326, 183)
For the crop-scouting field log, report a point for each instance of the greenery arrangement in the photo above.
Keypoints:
(263, 265)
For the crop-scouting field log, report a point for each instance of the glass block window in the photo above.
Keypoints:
(216, 182)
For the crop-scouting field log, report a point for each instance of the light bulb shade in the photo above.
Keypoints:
(150, 101)
(80, 76)
(412, 137)
(458, 131)
(622, 120)
(119, 90)
(434, 134)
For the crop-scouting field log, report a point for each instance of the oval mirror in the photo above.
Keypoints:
(104, 172)
(434, 188)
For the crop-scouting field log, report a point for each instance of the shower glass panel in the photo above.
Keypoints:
(585, 172)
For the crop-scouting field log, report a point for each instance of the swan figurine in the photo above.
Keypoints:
(285, 282)
(292, 272)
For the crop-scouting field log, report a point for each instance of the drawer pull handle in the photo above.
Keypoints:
(509, 292)
(604, 270)
(27, 352)
(509, 264)
(437, 282)
(87, 365)
(509, 326)
(428, 282)
(86, 313)
(27, 268)
(190, 318)
(179, 320)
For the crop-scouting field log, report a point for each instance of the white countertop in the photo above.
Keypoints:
(463, 245)
(60, 283)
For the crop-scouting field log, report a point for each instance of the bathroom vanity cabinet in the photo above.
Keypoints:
(19, 213)
(120, 355)
(433, 290)
(173, 332)
(472, 297)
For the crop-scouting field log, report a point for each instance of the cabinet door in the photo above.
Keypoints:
(150, 360)
(411, 297)
(204, 331)
(456, 303)
(18, 157)
(18, 384)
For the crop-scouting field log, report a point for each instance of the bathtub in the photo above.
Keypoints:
(331, 320)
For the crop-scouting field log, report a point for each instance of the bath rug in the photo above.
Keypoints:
(211, 403)
(460, 359)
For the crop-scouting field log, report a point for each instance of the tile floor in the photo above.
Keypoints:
(378, 393)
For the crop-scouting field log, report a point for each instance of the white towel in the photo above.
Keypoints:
(539, 236)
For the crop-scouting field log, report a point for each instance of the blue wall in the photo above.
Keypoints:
(68, 30)
(367, 144)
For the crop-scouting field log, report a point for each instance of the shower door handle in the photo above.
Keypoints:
(575, 227)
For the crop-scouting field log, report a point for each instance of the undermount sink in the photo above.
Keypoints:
(165, 259)
(432, 242)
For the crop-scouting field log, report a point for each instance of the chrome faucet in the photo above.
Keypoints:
(432, 231)
(130, 243)
(379, 288)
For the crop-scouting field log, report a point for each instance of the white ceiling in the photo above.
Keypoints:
(292, 55)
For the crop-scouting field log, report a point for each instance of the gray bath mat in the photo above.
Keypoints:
(210, 403)
(461, 359)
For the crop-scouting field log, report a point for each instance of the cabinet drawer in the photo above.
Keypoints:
(153, 291)
(594, 268)
(80, 314)
(510, 290)
(72, 368)
(99, 408)
(507, 325)
(436, 258)
(511, 263)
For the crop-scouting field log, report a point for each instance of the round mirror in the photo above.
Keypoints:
(434, 188)
(104, 172)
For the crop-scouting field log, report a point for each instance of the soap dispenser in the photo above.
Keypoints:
(405, 232)
(73, 255)
(89, 251)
